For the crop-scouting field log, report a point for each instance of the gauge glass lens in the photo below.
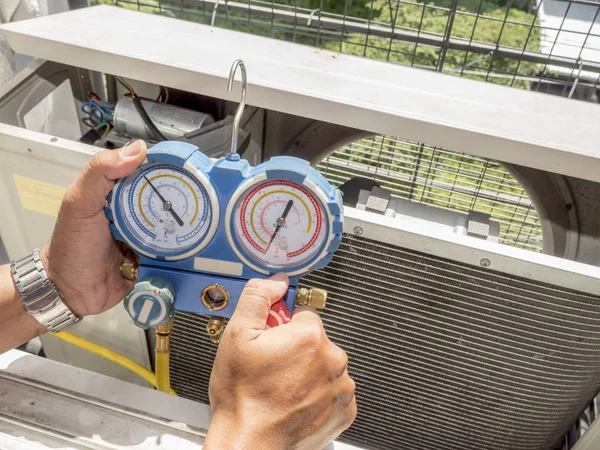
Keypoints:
(280, 224)
(166, 208)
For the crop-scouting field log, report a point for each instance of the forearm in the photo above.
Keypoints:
(16, 325)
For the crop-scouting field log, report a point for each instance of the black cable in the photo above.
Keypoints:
(203, 130)
(155, 132)
(89, 122)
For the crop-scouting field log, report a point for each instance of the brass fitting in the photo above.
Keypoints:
(215, 297)
(317, 298)
(166, 328)
(163, 337)
(129, 270)
(215, 327)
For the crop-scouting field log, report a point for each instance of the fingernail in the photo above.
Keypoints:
(132, 148)
(279, 277)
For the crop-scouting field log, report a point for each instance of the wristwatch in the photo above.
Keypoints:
(40, 297)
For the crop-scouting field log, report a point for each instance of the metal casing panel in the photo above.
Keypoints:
(48, 165)
(446, 353)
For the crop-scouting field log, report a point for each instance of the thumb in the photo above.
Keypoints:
(90, 189)
(255, 302)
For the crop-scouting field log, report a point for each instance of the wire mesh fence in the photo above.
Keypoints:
(551, 46)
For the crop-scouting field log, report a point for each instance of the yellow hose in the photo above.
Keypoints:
(113, 356)
(163, 380)
(161, 353)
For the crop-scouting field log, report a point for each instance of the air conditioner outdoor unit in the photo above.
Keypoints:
(455, 342)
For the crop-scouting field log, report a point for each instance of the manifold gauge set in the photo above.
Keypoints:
(202, 228)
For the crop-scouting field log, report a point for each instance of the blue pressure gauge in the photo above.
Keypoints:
(208, 226)
(203, 228)
(168, 208)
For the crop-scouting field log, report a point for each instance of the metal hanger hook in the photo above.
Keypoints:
(240, 110)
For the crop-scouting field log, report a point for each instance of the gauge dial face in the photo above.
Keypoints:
(166, 208)
(280, 224)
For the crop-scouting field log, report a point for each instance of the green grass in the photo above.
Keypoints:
(431, 21)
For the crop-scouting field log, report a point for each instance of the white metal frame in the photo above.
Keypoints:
(436, 241)
(49, 405)
(57, 162)
(505, 124)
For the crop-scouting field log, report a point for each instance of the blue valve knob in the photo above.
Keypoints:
(151, 302)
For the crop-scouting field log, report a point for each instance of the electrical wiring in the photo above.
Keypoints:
(126, 85)
(112, 356)
(139, 107)
(100, 112)
(108, 127)
(158, 136)
(105, 112)
(163, 95)
(94, 106)
(92, 96)
(88, 121)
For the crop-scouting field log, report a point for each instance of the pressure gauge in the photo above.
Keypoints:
(280, 224)
(280, 216)
(165, 211)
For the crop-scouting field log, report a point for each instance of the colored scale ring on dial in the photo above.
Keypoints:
(270, 239)
(165, 209)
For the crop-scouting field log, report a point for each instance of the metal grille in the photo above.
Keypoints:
(441, 178)
(445, 356)
(547, 45)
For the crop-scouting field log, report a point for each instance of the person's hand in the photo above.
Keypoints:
(281, 388)
(81, 257)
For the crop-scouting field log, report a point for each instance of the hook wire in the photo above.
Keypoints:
(240, 110)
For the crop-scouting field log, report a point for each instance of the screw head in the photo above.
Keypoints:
(358, 231)
(485, 262)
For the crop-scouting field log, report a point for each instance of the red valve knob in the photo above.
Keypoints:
(279, 315)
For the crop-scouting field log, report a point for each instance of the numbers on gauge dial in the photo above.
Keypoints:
(166, 208)
(280, 224)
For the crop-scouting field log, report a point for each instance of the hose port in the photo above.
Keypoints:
(215, 297)
(215, 327)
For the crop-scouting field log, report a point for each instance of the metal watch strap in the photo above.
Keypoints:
(40, 297)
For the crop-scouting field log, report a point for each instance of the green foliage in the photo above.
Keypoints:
(355, 8)
(434, 22)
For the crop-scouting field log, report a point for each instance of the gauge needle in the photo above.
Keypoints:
(280, 222)
(166, 204)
